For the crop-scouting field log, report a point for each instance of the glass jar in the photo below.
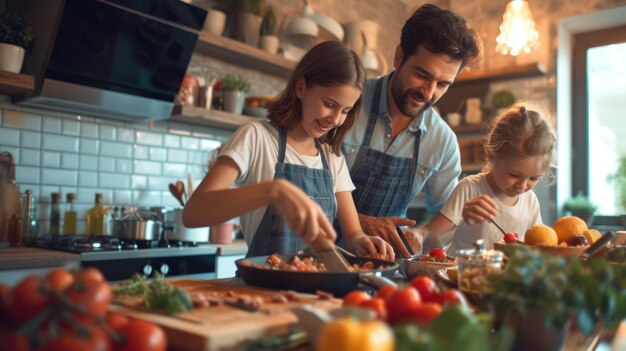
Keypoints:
(475, 265)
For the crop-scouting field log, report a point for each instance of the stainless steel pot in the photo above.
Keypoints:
(137, 226)
(176, 230)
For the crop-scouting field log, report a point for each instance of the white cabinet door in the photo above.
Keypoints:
(226, 265)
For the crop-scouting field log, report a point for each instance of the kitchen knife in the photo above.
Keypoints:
(405, 241)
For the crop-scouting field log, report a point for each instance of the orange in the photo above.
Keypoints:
(568, 226)
(592, 235)
(541, 234)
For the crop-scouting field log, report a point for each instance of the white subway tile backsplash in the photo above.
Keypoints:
(45, 200)
(123, 165)
(51, 176)
(138, 182)
(71, 127)
(147, 167)
(87, 179)
(197, 157)
(29, 139)
(60, 143)
(171, 141)
(158, 154)
(34, 188)
(148, 138)
(89, 146)
(113, 180)
(160, 183)
(140, 152)
(190, 143)
(174, 155)
(209, 145)
(51, 159)
(146, 198)
(88, 163)
(22, 120)
(107, 132)
(122, 197)
(89, 130)
(15, 151)
(30, 157)
(24, 174)
(168, 200)
(178, 170)
(69, 161)
(51, 125)
(125, 135)
(108, 148)
(106, 164)
(9, 137)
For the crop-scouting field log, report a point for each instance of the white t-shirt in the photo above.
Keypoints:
(517, 218)
(254, 148)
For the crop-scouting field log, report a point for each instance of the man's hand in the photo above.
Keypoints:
(385, 228)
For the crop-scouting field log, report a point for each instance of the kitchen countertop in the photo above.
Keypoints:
(237, 247)
(30, 257)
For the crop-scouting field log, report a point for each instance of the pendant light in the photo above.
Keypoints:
(517, 31)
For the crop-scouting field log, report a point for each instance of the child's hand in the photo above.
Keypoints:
(479, 209)
(373, 246)
(303, 215)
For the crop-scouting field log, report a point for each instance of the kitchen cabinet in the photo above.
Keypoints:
(13, 83)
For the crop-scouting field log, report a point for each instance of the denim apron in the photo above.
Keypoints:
(383, 182)
(273, 235)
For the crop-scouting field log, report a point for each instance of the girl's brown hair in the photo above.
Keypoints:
(329, 63)
(521, 132)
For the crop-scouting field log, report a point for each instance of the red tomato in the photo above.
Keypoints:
(425, 313)
(93, 295)
(116, 320)
(90, 273)
(452, 296)
(377, 305)
(427, 288)
(5, 293)
(386, 291)
(438, 253)
(11, 341)
(87, 338)
(140, 335)
(59, 279)
(401, 302)
(27, 299)
(355, 298)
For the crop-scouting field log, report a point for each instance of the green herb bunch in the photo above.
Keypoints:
(235, 82)
(593, 292)
(579, 203)
(14, 30)
(157, 295)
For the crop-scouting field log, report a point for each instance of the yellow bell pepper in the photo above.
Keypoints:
(350, 334)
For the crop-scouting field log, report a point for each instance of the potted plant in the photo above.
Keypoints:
(249, 14)
(501, 100)
(269, 39)
(15, 38)
(234, 88)
(540, 295)
(581, 207)
(215, 21)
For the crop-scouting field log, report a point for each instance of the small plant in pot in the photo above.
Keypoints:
(249, 14)
(15, 38)
(269, 41)
(234, 88)
(581, 207)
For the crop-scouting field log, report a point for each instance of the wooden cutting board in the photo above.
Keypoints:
(221, 327)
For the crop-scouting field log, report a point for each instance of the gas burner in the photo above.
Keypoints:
(181, 243)
(130, 246)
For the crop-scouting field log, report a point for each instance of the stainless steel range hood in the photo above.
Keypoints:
(119, 59)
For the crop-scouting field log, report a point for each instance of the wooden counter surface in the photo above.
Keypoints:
(30, 257)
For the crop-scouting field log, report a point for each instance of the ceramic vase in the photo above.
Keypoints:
(233, 101)
(269, 43)
(248, 28)
(215, 22)
(11, 58)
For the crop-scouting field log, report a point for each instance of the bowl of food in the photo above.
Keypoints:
(425, 264)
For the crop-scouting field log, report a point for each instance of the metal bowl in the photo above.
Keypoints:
(413, 267)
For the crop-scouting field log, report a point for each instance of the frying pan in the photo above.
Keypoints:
(338, 284)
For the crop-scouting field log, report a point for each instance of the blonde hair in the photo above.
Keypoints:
(522, 133)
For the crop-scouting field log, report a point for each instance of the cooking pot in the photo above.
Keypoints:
(137, 226)
(176, 230)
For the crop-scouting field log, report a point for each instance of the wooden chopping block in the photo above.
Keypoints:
(221, 327)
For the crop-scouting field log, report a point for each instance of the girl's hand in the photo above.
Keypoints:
(304, 216)
(371, 246)
(479, 209)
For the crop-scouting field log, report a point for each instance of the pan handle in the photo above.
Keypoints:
(375, 280)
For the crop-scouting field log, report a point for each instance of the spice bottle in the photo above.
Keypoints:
(69, 216)
(55, 214)
(96, 217)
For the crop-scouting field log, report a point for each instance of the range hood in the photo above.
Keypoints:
(119, 59)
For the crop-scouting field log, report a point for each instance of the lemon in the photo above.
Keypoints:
(568, 226)
(592, 235)
(541, 234)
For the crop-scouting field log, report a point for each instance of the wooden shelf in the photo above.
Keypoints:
(13, 83)
(243, 55)
(210, 118)
(511, 72)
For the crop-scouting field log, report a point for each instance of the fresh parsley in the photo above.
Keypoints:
(157, 294)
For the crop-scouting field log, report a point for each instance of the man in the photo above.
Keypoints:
(399, 145)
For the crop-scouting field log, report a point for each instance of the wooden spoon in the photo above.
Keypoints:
(180, 187)
(177, 194)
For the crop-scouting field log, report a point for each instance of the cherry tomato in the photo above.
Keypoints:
(438, 253)
(453, 296)
(116, 320)
(92, 295)
(355, 298)
(140, 335)
(27, 299)
(401, 302)
(509, 238)
(59, 279)
(427, 288)
(386, 291)
(377, 305)
(425, 313)
(85, 338)
(89, 273)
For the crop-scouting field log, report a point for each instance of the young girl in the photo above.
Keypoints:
(292, 179)
(520, 149)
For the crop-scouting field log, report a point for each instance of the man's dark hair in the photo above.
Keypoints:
(441, 32)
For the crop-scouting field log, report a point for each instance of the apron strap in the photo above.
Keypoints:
(371, 122)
